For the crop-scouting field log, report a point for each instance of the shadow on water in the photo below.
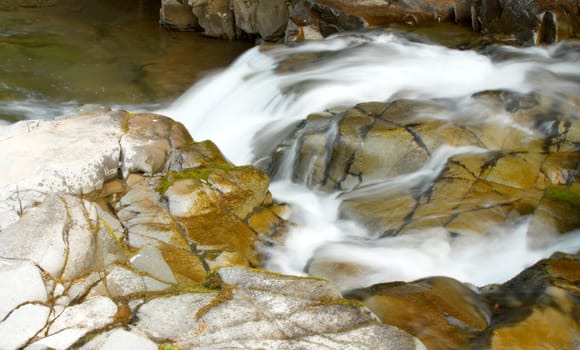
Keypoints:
(98, 51)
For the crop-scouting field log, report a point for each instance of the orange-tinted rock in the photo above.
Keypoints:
(442, 312)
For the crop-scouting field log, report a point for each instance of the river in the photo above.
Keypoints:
(247, 105)
(50, 69)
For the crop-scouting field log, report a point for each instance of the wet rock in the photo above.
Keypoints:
(532, 22)
(331, 21)
(381, 13)
(451, 313)
(539, 307)
(383, 157)
(268, 19)
(215, 17)
(176, 15)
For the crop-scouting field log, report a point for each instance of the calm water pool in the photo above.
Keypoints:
(98, 51)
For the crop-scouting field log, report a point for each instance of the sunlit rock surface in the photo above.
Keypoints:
(525, 22)
(254, 309)
(116, 230)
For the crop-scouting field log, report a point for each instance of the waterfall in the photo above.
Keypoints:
(269, 89)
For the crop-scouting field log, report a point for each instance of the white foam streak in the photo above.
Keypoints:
(315, 216)
(377, 67)
(277, 86)
(480, 260)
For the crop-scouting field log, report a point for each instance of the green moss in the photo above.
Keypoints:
(169, 346)
(125, 124)
(201, 173)
(169, 179)
(334, 301)
(562, 194)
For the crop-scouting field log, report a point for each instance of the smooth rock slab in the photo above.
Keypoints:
(76, 321)
(120, 339)
(20, 282)
(38, 236)
(72, 155)
(257, 309)
(22, 324)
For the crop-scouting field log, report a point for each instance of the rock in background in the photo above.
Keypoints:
(527, 22)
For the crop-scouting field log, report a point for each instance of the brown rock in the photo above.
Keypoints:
(443, 313)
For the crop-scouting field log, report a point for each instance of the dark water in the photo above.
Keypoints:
(98, 51)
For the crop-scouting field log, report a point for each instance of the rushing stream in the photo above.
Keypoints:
(248, 107)
(251, 107)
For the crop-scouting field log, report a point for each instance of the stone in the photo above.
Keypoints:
(538, 307)
(252, 308)
(146, 144)
(22, 325)
(65, 253)
(532, 22)
(34, 162)
(215, 17)
(451, 313)
(150, 260)
(77, 320)
(271, 19)
(119, 338)
(379, 13)
(176, 15)
(80, 238)
(172, 318)
(40, 236)
(245, 12)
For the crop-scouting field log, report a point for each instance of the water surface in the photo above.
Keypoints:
(98, 51)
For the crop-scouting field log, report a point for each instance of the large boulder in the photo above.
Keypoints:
(255, 309)
(116, 231)
(115, 205)
(215, 17)
(266, 18)
(177, 15)
(532, 22)
(536, 309)
(424, 171)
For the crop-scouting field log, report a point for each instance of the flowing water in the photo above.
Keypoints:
(268, 90)
(64, 57)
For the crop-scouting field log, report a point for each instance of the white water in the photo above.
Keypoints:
(251, 95)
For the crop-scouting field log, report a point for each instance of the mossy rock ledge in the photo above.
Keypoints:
(117, 229)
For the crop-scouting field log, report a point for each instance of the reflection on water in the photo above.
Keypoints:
(98, 51)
